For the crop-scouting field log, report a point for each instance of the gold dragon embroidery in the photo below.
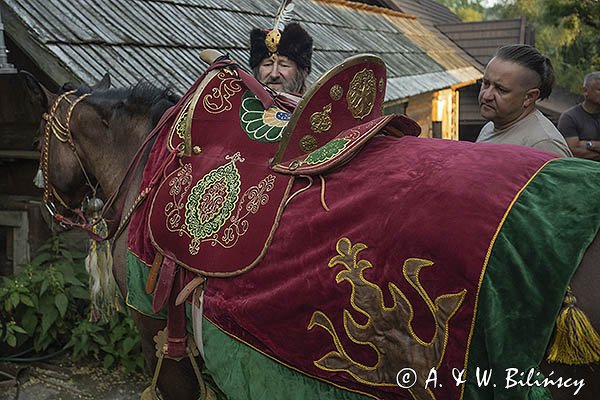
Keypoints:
(388, 330)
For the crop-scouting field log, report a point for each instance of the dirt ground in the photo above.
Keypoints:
(59, 379)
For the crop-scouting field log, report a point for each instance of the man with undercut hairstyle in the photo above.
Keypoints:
(580, 124)
(514, 80)
(281, 60)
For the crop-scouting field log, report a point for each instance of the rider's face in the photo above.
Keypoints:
(279, 73)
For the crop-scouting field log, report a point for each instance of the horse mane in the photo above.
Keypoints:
(143, 98)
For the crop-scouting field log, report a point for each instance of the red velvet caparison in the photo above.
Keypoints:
(402, 198)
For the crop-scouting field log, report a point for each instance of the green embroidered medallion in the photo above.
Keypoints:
(327, 151)
(212, 200)
(262, 125)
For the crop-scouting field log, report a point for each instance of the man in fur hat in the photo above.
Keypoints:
(281, 60)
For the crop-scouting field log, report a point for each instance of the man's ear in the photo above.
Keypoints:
(531, 97)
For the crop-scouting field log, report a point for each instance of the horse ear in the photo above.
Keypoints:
(38, 92)
(103, 83)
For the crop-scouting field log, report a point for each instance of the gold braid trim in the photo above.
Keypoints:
(366, 7)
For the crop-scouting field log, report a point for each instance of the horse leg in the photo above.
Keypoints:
(176, 380)
(586, 287)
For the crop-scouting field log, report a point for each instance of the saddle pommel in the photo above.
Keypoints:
(209, 56)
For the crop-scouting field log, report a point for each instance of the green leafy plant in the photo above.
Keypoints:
(114, 342)
(45, 300)
(46, 306)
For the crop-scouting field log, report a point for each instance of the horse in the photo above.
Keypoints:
(103, 131)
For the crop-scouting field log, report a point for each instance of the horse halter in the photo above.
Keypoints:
(62, 132)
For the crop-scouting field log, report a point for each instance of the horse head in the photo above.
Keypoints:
(81, 128)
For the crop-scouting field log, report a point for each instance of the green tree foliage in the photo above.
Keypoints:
(469, 14)
(575, 26)
(567, 31)
(466, 10)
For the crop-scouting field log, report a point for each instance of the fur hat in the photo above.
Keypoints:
(295, 44)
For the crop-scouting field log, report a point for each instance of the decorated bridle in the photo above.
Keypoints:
(62, 132)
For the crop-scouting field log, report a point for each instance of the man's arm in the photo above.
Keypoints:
(580, 148)
(589, 149)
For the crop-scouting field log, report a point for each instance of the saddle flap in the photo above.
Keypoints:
(218, 203)
(338, 114)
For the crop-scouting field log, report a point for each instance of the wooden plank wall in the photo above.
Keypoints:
(419, 109)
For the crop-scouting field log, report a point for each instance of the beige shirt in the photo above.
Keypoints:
(535, 130)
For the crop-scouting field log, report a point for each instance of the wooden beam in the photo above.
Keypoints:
(20, 154)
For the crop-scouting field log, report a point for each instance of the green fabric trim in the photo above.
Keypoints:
(232, 364)
(554, 220)
(137, 275)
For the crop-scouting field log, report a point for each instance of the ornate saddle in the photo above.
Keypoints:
(217, 208)
(227, 157)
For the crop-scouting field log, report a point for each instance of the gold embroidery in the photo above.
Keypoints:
(320, 121)
(352, 134)
(400, 339)
(180, 186)
(294, 165)
(257, 196)
(336, 92)
(381, 85)
(361, 94)
(218, 100)
(308, 143)
(199, 210)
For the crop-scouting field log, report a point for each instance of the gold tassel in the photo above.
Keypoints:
(575, 340)
(98, 264)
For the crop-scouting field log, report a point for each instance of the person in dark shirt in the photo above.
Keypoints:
(580, 124)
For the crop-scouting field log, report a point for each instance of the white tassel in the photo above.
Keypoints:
(38, 180)
(102, 285)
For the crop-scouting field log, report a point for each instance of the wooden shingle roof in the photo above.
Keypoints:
(482, 39)
(160, 40)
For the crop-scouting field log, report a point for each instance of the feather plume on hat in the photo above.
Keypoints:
(284, 15)
(285, 38)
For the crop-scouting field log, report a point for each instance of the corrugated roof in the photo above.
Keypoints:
(160, 40)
